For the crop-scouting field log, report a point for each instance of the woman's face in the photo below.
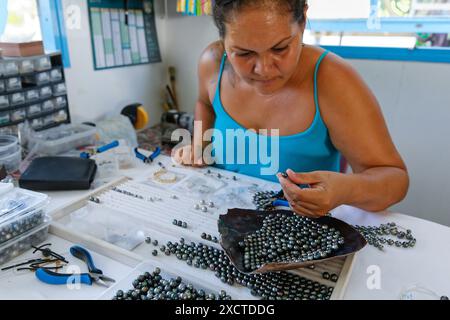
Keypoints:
(264, 47)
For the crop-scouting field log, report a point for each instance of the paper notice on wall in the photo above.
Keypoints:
(123, 37)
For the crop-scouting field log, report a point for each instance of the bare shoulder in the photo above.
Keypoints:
(336, 74)
(342, 91)
(210, 59)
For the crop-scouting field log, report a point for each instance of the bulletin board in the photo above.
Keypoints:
(123, 33)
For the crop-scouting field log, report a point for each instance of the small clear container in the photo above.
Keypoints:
(63, 138)
(45, 92)
(34, 109)
(19, 114)
(56, 75)
(11, 68)
(48, 105)
(13, 84)
(17, 98)
(12, 161)
(59, 89)
(14, 228)
(42, 64)
(2, 86)
(8, 144)
(60, 102)
(4, 102)
(15, 247)
(26, 66)
(32, 95)
(4, 117)
(18, 205)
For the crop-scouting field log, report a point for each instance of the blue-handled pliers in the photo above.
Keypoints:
(94, 275)
(147, 159)
(109, 146)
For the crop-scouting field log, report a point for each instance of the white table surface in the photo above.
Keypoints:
(427, 264)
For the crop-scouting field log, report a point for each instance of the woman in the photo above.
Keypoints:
(261, 76)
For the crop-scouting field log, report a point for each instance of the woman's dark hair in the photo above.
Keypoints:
(223, 8)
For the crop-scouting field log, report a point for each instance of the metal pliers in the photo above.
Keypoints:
(147, 159)
(94, 275)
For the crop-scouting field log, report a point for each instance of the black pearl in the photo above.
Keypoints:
(334, 277)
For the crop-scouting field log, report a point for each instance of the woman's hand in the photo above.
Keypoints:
(186, 157)
(326, 192)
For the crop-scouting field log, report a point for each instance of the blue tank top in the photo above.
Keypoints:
(256, 154)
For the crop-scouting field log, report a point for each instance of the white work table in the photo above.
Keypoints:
(427, 264)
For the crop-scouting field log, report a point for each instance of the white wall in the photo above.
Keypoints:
(93, 94)
(415, 99)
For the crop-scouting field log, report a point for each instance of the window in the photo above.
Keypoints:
(382, 29)
(34, 20)
(20, 21)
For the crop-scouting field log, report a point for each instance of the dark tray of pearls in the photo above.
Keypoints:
(261, 241)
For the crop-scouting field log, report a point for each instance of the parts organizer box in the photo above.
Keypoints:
(23, 222)
(64, 138)
(33, 89)
(148, 207)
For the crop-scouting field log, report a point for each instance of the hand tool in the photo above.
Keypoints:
(88, 154)
(147, 159)
(94, 275)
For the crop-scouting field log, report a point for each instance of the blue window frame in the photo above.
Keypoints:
(53, 29)
(3, 14)
(375, 24)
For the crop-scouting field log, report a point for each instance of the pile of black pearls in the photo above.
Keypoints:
(377, 236)
(289, 238)
(268, 286)
(374, 235)
(152, 286)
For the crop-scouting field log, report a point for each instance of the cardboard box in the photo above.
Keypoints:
(24, 49)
